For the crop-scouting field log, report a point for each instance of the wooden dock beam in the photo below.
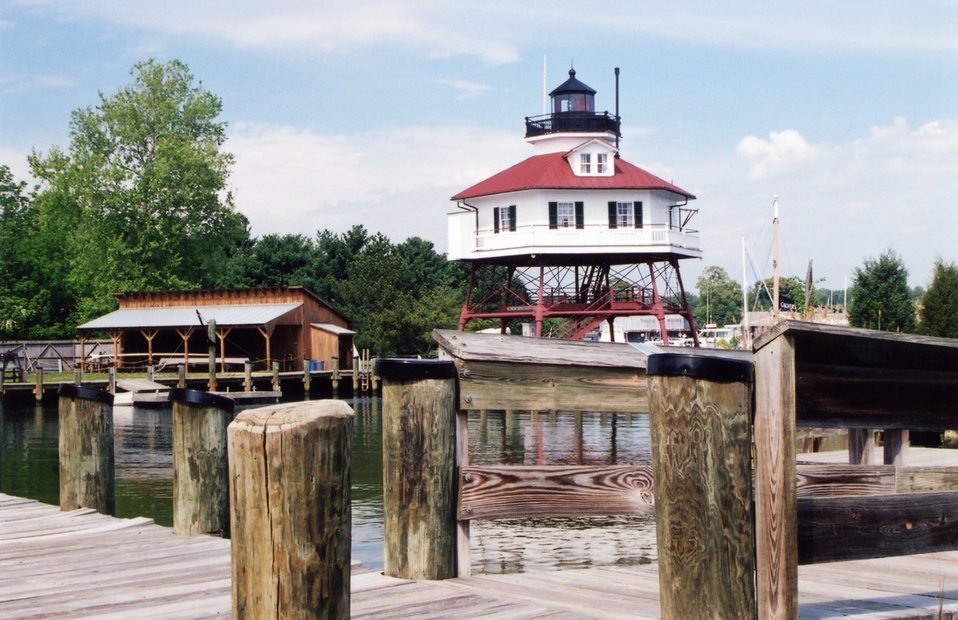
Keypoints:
(419, 407)
(701, 415)
(86, 449)
(200, 470)
(290, 510)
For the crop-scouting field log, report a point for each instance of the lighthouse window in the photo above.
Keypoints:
(625, 214)
(504, 218)
(600, 163)
(585, 163)
(566, 214)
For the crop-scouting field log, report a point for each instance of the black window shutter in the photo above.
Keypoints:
(495, 219)
(637, 205)
(579, 214)
(613, 215)
(512, 217)
(553, 215)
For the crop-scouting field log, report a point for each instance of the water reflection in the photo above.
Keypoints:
(559, 438)
(144, 478)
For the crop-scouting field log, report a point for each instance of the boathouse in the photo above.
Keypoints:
(288, 324)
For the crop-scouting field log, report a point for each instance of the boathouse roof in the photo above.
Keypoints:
(225, 316)
(552, 171)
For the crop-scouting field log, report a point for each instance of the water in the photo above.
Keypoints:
(144, 478)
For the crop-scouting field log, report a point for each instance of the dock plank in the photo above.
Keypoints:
(91, 565)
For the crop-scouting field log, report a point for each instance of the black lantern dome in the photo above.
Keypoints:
(573, 111)
(572, 96)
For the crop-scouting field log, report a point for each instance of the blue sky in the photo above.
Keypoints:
(375, 113)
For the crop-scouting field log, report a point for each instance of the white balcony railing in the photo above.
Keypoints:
(465, 242)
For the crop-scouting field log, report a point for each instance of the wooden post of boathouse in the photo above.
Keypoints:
(290, 510)
(200, 469)
(86, 449)
(420, 403)
(701, 418)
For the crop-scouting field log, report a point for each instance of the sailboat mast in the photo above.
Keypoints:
(747, 329)
(775, 275)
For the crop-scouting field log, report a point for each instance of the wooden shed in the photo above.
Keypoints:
(289, 324)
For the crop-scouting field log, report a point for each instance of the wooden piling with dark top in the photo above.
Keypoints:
(86, 449)
(700, 411)
(419, 408)
(200, 470)
(290, 522)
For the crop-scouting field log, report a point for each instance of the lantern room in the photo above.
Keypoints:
(572, 106)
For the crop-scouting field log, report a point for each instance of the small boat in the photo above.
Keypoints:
(141, 393)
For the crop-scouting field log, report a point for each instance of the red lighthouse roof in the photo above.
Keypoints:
(552, 171)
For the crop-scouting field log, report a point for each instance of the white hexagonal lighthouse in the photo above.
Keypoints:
(574, 232)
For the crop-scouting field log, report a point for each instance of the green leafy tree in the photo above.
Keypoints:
(334, 256)
(719, 298)
(789, 287)
(397, 294)
(939, 305)
(142, 190)
(880, 298)
(281, 260)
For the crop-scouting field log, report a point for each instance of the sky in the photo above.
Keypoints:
(376, 112)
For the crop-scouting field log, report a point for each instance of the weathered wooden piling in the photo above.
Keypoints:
(38, 385)
(290, 512)
(419, 405)
(211, 342)
(700, 411)
(335, 377)
(200, 469)
(86, 449)
(307, 379)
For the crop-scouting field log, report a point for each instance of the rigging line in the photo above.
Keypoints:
(758, 279)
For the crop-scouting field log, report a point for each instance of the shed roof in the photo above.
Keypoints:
(332, 329)
(552, 171)
(241, 315)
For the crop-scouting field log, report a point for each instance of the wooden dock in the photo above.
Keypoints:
(81, 564)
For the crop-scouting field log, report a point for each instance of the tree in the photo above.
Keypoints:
(334, 256)
(281, 260)
(142, 190)
(880, 297)
(788, 288)
(396, 295)
(719, 298)
(939, 304)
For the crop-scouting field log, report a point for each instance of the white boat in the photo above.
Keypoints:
(141, 393)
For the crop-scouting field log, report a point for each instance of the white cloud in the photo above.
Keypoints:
(24, 83)
(291, 180)
(326, 27)
(16, 160)
(889, 188)
(465, 88)
(856, 25)
(781, 152)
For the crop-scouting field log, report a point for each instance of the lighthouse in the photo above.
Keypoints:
(574, 233)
